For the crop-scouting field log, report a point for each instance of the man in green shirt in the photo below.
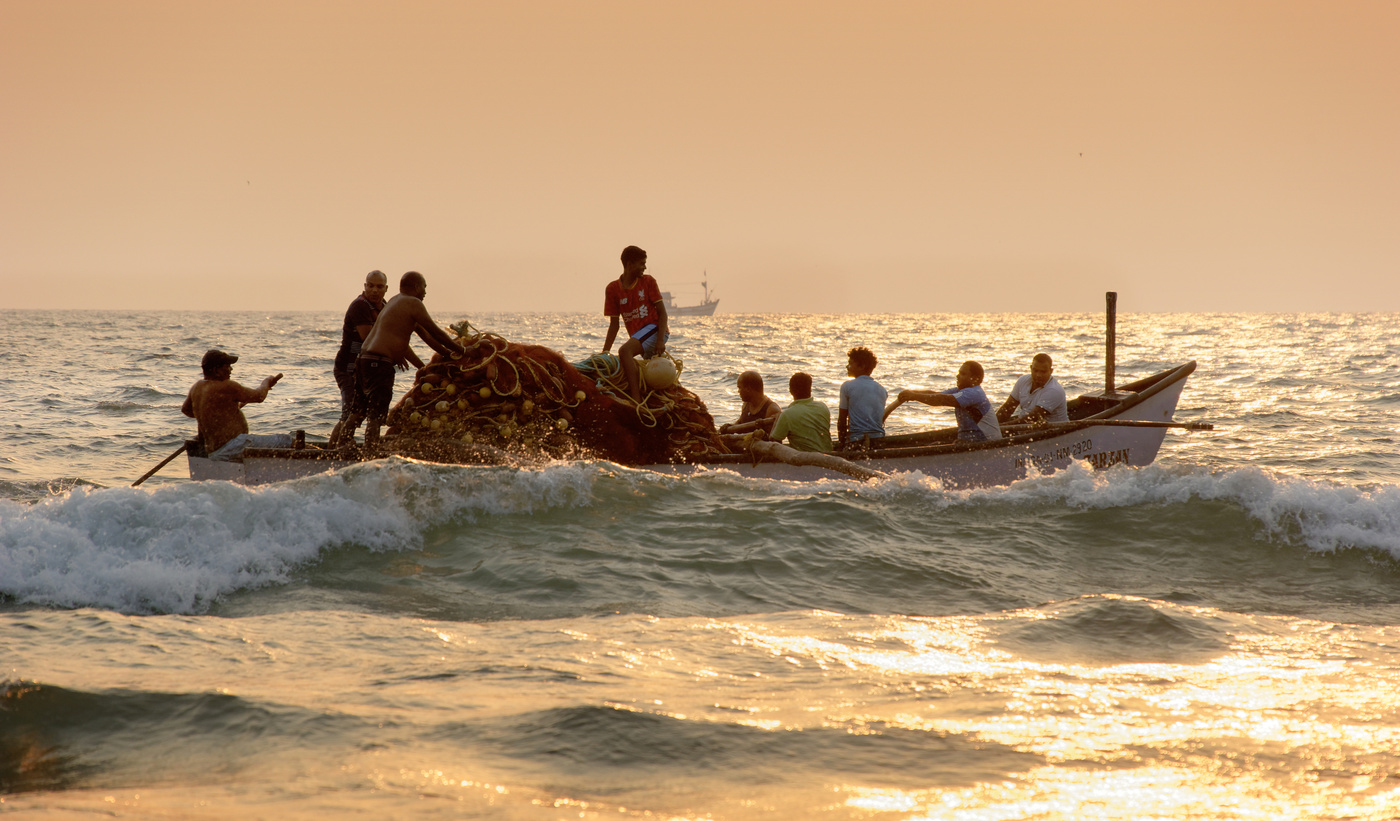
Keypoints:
(806, 423)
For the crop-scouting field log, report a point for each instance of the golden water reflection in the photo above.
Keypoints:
(1298, 722)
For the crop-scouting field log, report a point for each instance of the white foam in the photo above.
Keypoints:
(1320, 515)
(177, 548)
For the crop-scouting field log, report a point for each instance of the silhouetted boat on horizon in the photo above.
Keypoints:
(705, 308)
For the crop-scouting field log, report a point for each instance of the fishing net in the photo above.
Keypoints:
(528, 401)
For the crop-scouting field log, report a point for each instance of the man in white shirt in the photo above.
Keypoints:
(1037, 397)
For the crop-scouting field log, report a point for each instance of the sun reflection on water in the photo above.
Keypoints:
(1273, 726)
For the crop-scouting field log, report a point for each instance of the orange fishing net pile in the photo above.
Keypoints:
(529, 401)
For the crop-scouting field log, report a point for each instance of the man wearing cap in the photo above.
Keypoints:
(216, 402)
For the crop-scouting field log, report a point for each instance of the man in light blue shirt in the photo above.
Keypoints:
(862, 401)
(976, 422)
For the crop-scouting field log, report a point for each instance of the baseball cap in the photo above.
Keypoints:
(215, 358)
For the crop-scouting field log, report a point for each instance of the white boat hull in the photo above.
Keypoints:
(262, 466)
(708, 309)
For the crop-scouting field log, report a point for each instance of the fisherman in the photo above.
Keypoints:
(359, 319)
(216, 403)
(387, 348)
(976, 422)
(758, 411)
(862, 398)
(1037, 397)
(636, 299)
(806, 423)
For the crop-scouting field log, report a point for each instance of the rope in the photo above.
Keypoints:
(688, 428)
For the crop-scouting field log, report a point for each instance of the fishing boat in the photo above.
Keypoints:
(1119, 425)
(705, 308)
(1123, 426)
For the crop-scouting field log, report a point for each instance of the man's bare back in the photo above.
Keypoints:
(217, 405)
(402, 316)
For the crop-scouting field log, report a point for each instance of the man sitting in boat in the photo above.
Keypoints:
(976, 422)
(385, 349)
(858, 416)
(806, 423)
(216, 402)
(636, 299)
(758, 411)
(1037, 397)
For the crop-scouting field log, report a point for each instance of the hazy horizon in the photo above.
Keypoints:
(806, 157)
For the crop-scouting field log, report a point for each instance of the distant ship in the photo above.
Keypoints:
(706, 308)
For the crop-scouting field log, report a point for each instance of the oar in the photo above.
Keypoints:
(1116, 423)
(792, 456)
(164, 462)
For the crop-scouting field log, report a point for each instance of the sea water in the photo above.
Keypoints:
(1212, 636)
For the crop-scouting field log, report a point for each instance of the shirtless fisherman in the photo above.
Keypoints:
(385, 349)
(216, 402)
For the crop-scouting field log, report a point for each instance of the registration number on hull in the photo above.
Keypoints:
(1046, 460)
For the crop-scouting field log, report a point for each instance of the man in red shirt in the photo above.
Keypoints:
(635, 298)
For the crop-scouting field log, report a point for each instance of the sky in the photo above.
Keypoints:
(851, 157)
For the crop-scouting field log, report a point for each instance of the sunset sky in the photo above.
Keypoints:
(810, 156)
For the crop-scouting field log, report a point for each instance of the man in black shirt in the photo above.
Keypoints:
(359, 319)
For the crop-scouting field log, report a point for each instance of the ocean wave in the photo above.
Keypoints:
(1116, 630)
(593, 741)
(55, 738)
(1320, 515)
(177, 549)
(587, 537)
(30, 492)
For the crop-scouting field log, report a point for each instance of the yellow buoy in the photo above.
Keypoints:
(580, 395)
(451, 388)
(485, 393)
(427, 387)
(659, 373)
(442, 405)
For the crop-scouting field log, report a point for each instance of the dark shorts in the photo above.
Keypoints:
(374, 387)
(345, 380)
